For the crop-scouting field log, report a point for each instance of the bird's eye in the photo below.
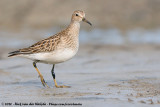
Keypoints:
(76, 14)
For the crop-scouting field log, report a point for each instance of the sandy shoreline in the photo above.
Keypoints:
(101, 74)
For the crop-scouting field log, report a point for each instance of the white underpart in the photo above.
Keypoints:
(52, 57)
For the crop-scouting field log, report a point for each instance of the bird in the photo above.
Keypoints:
(55, 49)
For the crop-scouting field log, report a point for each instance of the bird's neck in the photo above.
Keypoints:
(74, 27)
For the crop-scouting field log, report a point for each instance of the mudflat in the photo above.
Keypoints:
(113, 75)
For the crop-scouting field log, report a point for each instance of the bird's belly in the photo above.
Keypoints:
(54, 57)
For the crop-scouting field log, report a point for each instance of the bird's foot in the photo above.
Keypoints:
(43, 81)
(62, 86)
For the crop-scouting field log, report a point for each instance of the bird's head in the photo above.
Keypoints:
(79, 16)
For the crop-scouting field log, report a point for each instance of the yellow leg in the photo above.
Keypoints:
(40, 75)
(54, 78)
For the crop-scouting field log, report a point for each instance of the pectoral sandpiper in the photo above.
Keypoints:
(55, 49)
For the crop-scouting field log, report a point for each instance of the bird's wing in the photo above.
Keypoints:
(49, 44)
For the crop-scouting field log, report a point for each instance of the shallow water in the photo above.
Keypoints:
(95, 36)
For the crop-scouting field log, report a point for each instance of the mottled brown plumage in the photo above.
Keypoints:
(46, 45)
(63, 39)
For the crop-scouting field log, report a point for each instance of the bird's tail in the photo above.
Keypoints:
(14, 53)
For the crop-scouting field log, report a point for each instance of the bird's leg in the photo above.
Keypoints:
(54, 78)
(40, 75)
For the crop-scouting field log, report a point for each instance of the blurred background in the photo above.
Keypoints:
(104, 14)
(23, 22)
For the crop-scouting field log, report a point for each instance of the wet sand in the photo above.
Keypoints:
(99, 75)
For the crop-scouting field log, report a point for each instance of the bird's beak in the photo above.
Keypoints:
(85, 20)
